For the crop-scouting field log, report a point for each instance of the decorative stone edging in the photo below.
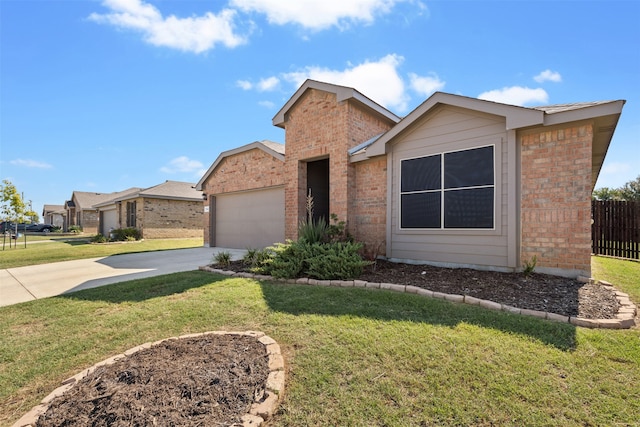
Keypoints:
(259, 412)
(624, 318)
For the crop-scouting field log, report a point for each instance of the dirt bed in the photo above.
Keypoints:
(204, 381)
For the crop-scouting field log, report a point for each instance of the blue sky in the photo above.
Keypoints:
(106, 95)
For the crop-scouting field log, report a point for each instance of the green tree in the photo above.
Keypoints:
(606, 193)
(13, 207)
(631, 190)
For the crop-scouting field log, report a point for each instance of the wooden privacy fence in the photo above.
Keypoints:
(615, 230)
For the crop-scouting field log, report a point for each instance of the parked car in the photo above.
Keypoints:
(6, 227)
(40, 228)
(10, 227)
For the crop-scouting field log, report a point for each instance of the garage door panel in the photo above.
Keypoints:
(109, 221)
(250, 220)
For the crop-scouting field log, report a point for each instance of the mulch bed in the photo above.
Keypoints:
(541, 292)
(203, 381)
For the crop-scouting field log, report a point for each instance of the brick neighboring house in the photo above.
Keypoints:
(457, 182)
(54, 215)
(80, 211)
(172, 209)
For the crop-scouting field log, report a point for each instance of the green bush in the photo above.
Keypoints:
(99, 238)
(222, 258)
(313, 230)
(75, 229)
(324, 261)
(125, 234)
(336, 261)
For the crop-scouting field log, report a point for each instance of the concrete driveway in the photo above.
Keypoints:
(40, 281)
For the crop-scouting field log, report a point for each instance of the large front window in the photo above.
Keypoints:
(448, 191)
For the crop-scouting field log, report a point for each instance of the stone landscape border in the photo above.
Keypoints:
(258, 413)
(624, 318)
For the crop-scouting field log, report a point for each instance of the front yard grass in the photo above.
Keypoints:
(66, 249)
(354, 357)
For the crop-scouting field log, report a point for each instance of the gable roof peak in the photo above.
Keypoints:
(342, 93)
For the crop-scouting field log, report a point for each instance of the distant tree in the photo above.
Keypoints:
(606, 193)
(631, 190)
(13, 207)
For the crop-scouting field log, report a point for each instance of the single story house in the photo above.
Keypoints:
(172, 209)
(457, 182)
(54, 215)
(80, 211)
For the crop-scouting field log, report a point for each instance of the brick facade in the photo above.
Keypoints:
(247, 170)
(165, 218)
(368, 207)
(318, 126)
(556, 198)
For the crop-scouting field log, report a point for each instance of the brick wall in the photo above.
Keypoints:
(164, 219)
(319, 127)
(90, 221)
(556, 198)
(368, 211)
(247, 170)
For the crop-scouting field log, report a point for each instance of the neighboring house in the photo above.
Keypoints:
(80, 211)
(108, 214)
(457, 182)
(169, 210)
(54, 215)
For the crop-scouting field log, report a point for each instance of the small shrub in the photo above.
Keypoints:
(222, 258)
(263, 259)
(337, 231)
(125, 234)
(313, 231)
(99, 238)
(336, 261)
(529, 266)
(75, 229)
(250, 257)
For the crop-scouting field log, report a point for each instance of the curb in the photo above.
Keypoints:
(258, 413)
(624, 318)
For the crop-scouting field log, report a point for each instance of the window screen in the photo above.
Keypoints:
(450, 190)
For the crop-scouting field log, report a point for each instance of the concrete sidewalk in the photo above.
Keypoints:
(40, 281)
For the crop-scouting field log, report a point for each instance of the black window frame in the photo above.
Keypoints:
(131, 213)
(458, 191)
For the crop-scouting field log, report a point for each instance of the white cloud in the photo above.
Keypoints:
(268, 84)
(244, 84)
(426, 85)
(193, 34)
(516, 95)
(31, 164)
(548, 76)
(317, 14)
(267, 104)
(377, 80)
(183, 164)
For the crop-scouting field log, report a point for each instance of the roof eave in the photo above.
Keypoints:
(516, 117)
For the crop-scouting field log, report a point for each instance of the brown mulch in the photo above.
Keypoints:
(214, 379)
(541, 292)
(210, 380)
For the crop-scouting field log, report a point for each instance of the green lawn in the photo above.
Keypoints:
(354, 357)
(69, 248)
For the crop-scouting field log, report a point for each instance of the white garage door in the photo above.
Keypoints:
(253, 219)
(109, 221)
